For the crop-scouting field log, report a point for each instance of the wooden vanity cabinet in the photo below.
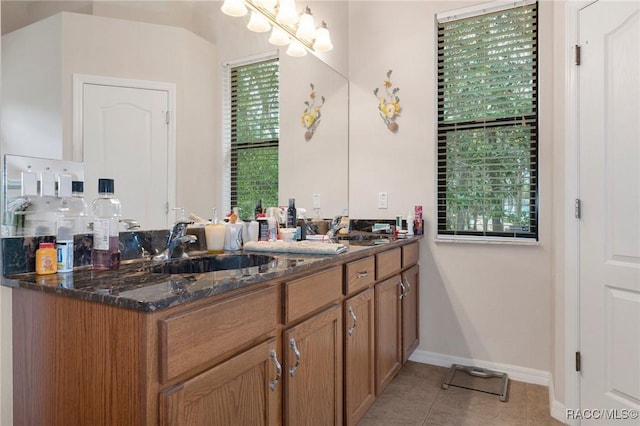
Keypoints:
(239, 391)
(359, 355)
(78, 362)
(312, 347)
(244, 389)
(396, 311)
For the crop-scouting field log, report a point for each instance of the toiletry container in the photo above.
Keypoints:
(46, 259)
(64, 245)
(292, 216)
(410, 223)
(106, 209)
(214, 234)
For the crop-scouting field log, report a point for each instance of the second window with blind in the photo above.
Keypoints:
(251, 116)
(487, 148)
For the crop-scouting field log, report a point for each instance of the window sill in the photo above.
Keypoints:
(460, 239)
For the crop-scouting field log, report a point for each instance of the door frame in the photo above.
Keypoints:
(79, 80)
(571, 223)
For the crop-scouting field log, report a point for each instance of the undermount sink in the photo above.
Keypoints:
(211, 263)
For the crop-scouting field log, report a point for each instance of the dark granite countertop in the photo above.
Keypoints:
(134, 286)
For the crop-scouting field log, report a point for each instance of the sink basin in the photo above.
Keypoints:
(220, 262)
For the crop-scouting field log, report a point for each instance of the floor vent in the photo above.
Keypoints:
(477, 379)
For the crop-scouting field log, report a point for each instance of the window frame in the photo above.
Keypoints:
(456, 235)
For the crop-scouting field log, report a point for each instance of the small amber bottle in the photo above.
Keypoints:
(46, 259)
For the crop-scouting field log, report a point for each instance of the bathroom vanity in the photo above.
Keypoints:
(294, 339)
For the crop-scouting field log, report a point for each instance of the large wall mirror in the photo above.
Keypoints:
(48, 45)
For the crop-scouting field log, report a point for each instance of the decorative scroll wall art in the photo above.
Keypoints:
(311, 114)
(389, 103)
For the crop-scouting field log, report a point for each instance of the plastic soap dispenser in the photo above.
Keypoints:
(214, 234)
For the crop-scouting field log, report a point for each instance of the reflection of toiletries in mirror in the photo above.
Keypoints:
(258, 210)
(398, 223)
(344, 220)
(214, 234)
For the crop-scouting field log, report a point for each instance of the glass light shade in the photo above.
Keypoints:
(287, 13)
(306, 26)
(323, 40)
(258, 22)
(296, 49)
(279, 37)
(234, 8)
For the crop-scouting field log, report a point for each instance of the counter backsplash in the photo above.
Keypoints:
(18, 253)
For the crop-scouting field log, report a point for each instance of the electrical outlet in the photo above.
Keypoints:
(316, 201)
(382, 200)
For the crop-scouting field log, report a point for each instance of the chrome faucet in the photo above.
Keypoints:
(335, 227)
(177, 241)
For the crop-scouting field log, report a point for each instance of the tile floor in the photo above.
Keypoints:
(416, 398)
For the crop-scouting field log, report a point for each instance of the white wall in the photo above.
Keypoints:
(490, 303)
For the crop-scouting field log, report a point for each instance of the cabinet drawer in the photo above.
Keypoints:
(388, 262)
(195, 337)
(410, 254)
(310, 293)
(360, 274)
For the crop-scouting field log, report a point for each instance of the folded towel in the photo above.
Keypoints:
(303, 247)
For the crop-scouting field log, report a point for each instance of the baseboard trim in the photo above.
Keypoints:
(558, 409)
(521, 374)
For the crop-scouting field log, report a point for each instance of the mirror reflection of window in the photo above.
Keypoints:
(251, 137)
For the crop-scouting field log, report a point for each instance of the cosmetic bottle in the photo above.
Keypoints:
(106, 209)
(46, 259)
(292, 218)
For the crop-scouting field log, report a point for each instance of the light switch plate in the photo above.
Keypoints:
(316, 201)
(382, 200)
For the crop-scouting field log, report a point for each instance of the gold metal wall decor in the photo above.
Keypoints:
(311, 115)
(389, 103)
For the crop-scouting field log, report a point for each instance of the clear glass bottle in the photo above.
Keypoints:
(106, 209)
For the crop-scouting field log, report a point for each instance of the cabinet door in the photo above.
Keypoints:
(388, 322)
(410, 312)
(359, 369)
(241, 391)
(313, 361)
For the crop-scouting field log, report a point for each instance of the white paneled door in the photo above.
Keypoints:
(609, 168)
(125, 137)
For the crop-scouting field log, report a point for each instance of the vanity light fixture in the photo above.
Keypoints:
(287, 27)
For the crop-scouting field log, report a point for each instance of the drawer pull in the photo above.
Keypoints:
(403, 290)
(351, 329)
(294, 347)
(273, 384)
(362, 274)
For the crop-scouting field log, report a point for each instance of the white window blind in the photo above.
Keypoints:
(251, 134)
(487, 148)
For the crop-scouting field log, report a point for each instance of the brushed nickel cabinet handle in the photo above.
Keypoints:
(403, 290)
(273, 384)
(407, 284)
(362, 274)
(351, 329)
(294, 348)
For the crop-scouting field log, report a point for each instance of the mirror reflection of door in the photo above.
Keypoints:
(121, 123)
